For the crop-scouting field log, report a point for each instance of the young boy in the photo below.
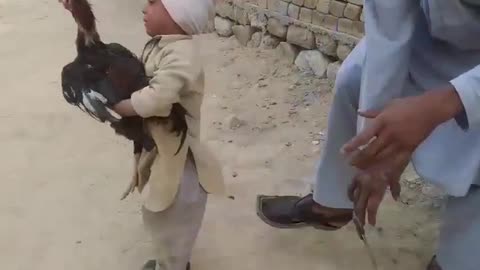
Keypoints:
(173, 187)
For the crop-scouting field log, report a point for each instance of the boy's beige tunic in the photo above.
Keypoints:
(177, 76)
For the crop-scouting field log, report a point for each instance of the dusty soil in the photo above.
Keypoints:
(63, 173)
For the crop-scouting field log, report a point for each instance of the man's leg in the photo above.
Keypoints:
(459, 242)
(333, 172)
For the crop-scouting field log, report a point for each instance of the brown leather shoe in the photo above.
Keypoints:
(294, 212)
(433, 265)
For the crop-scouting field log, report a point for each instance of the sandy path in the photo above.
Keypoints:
(63, 173)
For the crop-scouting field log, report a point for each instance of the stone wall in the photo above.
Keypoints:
(316, 35)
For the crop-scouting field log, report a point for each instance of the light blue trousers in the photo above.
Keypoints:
(459, 243)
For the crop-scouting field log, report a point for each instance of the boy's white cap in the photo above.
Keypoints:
(193, 16)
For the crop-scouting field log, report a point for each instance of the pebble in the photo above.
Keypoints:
(432, 192)
(315, 142)
(312, 62)
(234, 122)
(414, 180)
(288, 144)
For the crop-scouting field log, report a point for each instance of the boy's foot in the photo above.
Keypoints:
(295, 212)
(152, 264)
(434, 264)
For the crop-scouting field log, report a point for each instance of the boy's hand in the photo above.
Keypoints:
(125, 108)
(66, 4)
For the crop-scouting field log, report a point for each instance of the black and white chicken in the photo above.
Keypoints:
(103, 75)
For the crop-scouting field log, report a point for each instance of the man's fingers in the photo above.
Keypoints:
(372, 209)
(365, 157)
(351, 190)
(369, 114)
(387, 152)
(362, 138)
(395, 189)
(360, 203)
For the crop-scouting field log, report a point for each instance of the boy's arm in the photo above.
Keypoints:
(389, 28)
(177, 70)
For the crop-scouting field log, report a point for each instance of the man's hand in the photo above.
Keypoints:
(392, 137)
(402, 126)
(368, 187)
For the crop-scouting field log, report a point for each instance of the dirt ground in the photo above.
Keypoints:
(63, 174)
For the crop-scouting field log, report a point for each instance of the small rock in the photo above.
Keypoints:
(288, 51)
(234, 122)
(288, 144)
(276, 28)
(234, 174)
(230, 141)
(432, 192)
(337, 8)
(343, 51)
(312, 4)
(306, 15)
(301, 36)
(78, 242)
(256, 40)
(332, 71)
(269, 42)
(258, 21)
(243, 33)
(297, 2)
(262, 84)
(231, 197)
(278, 6)
(315, 142)
(293, 11)
(326, 44)
(312, 62)
(413, 180)
(225, 9)
(352, 12)
(356, 2)
(241, 15)
(223, 27)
